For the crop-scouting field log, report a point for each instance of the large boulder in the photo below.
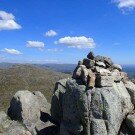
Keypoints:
(26, 106)
(73, 106)
(104, 100)
(56, 104)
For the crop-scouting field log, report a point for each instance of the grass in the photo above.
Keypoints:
(27, 77)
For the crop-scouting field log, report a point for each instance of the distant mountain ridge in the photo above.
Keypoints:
(67, 68)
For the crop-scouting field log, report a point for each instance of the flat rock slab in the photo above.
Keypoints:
(104, 81)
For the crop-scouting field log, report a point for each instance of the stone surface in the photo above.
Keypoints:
(104, 81)
(116, 66)
(88, 63)
(133, 80)
(91, 79)
(8, 127)
(91, 56)
(130, 122)
(25, 107)
(99, 58)
(108, 61)
(80, 63)
(98, 127)
(78, 72)
(102, 71)
(121, 90)
(56, 104)
(104, 100)
(3, 116)
(74, 109)
(125, 130)
(124, 76)
(100, 64)
(131, 89)
(116, 75)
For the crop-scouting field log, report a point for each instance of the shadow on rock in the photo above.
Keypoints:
(46, 117)
(52, 130)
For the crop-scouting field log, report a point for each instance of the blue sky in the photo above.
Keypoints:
(56, 31)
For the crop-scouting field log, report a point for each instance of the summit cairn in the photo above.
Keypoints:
(96, 100)
(97, 71)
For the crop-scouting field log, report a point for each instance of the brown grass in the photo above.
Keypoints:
(27, 77)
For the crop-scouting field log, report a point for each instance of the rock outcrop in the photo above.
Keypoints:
(26, 107)
(96, 101)
(99, 99)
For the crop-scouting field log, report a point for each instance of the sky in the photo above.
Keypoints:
(65, 31)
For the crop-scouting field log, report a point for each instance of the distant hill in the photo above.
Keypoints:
(65, 68)
(6, 65)
(27, 77)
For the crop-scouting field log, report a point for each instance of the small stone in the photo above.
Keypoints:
(88, 63)
(77, 74)
(108, 61)
(102, 71)
(124, 76)
(100, 64)
(91, 79)
(99, 58)
(116, 66)
(104, 81)
(91, 56)
(116, 75)
(80, 63)
(85, 73)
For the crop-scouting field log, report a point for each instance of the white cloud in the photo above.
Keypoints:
(12, 51)
(77, 42)
(35, 44)
(55, 50)
(7, 21)
(51, 33)
(125, 4)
